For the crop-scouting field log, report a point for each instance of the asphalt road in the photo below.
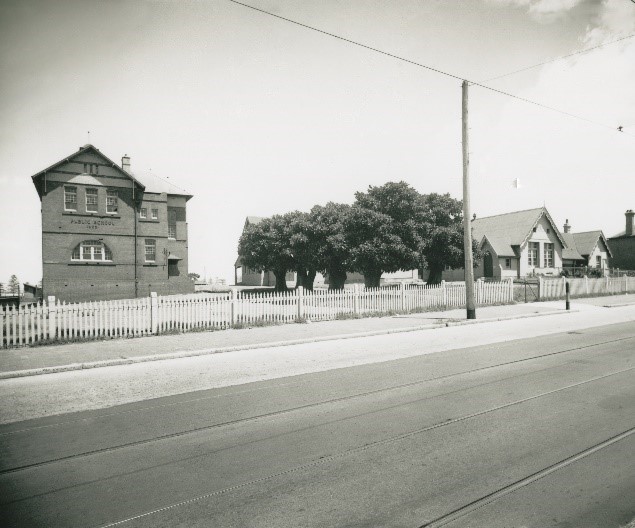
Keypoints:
(537, 432)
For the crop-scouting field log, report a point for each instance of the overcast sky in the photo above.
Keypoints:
(257, 116)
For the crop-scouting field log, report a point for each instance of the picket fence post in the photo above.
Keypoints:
(403, 296)
(540, 288)
(234, 300)
(300, 290)
(52, 309)
(356, 293)
(511, 289)
(154, 313)
(444, 300)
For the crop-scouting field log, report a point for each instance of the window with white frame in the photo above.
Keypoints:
(143, 212)
(70, 198)
(155, 214)
(151, 249)
(92, 205)
(598, 261)
(532, 254)
(548, 260)
(112, 201)
(508, 263)
(93, 250)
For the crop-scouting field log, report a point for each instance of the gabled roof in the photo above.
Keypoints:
(86, 148)
(585, 242)
(507, 231)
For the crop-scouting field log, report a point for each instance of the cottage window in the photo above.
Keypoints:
(155, 214)
(112, 205)
(598, 261)
(94, 250)
(143, 212)
(70, 198)
(151, 249)
(532, 254)
(91, 200)
(508, 263)
(548, 256)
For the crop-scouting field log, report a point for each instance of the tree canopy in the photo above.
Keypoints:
(389, 228)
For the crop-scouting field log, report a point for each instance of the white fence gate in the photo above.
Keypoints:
(55, 321)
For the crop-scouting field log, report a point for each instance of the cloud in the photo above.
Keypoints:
(615, 19)
(542, 10)
(564, 161)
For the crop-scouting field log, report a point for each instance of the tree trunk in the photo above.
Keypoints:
(337, 278)
(305, 278)
(372, 278)
(436, 274)
(281, 280)
(310, 279)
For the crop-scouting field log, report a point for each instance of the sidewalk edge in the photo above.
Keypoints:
(273, 344)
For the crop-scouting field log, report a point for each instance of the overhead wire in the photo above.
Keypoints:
(431, 68)
(556, 59)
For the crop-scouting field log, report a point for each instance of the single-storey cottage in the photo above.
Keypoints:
(592, 246)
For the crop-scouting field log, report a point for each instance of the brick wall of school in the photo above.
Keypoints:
(73, 280)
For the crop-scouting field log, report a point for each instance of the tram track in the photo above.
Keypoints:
(282, 412)
(366, 393)
(439, 521)
(521, 483)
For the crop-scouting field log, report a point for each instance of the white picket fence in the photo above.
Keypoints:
(556, 288)
(55, 321)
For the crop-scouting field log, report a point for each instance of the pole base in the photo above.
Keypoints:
(471, 313)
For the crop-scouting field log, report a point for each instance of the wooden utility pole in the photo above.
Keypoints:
(467, 220)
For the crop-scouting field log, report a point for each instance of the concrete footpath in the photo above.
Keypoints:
(30, 361)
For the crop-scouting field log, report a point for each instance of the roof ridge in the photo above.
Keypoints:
(511, 212)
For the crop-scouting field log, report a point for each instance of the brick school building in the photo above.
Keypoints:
(109, 233)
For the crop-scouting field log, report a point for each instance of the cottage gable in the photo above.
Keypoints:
(508, 234)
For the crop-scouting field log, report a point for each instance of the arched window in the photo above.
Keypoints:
(92, 250)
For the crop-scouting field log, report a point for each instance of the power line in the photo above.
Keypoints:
(586, 50)
(430, 68)
(436, 70)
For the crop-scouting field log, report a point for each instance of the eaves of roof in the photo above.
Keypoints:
(81, 150)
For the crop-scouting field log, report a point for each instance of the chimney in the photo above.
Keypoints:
(567, 227)
(125, 163)
(629, 222)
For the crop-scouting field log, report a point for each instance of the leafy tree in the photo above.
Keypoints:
(384, 231)
(265, 246)
(442, 233)
(14, 285)
(303, 247)
(332, 249)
